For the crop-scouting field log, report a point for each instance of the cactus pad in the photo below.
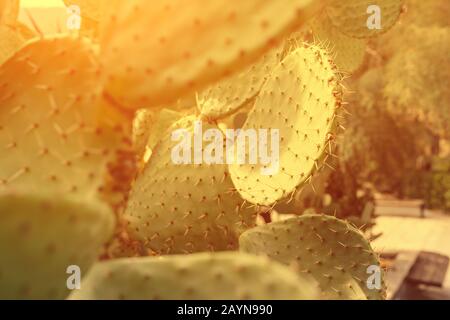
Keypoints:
(143, 122)
(230, 94)
(335, 253)
(351, 17)
(9, 11)
(218, 276)
(300, 100)
(11, 42)
(164, 120)
(174, 48)
(41, 236)
(93, 9)
(56, 130)
(182, 208)
(348, 52)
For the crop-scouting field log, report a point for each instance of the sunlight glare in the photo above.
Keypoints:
(41, 3)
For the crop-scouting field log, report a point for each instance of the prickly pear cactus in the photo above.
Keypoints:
(143, 122)
(148, 129)
(41, 235)
(11, 42)
(347, 52)
(332, 251)
(229, 95)
(353, 18)
(164, 120)
(93, 9)
(9, 11)
(73, 145)
(58, 133)
(11, 38)
(92, 14)
(191, 44)
(218, 276)
(299, 99)
(181, 208)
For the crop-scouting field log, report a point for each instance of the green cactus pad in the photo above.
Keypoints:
(143, 122)
(92, 12)
(158, 51)
(348, 53)
(351, 17)
(11, 42)
(300, 100)
(230, 94)
(164, 120)
(9, 11)
(57, 131)
(218, 276)
(149, 127)
(181, 208)
(335, 253)
(41, 236)
(93, 9)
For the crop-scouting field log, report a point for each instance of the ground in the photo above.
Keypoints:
(403, 229)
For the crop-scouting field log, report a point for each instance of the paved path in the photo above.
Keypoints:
(412, 233)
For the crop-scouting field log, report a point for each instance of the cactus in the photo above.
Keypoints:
(11, 38)
(218, 276)
(75, 112)
(92, 14)
(143, 122)
(41, 235)
(58, 131)
(164, 121)
(148, 129)
(300, 99)
(9, 11)
(231, 94)
(177, 208)
(67, 148)
(11, 42)
(191, 45)
(333, 252)
(351, 17)
(92, 9)
(24, 31)
(348, 53)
